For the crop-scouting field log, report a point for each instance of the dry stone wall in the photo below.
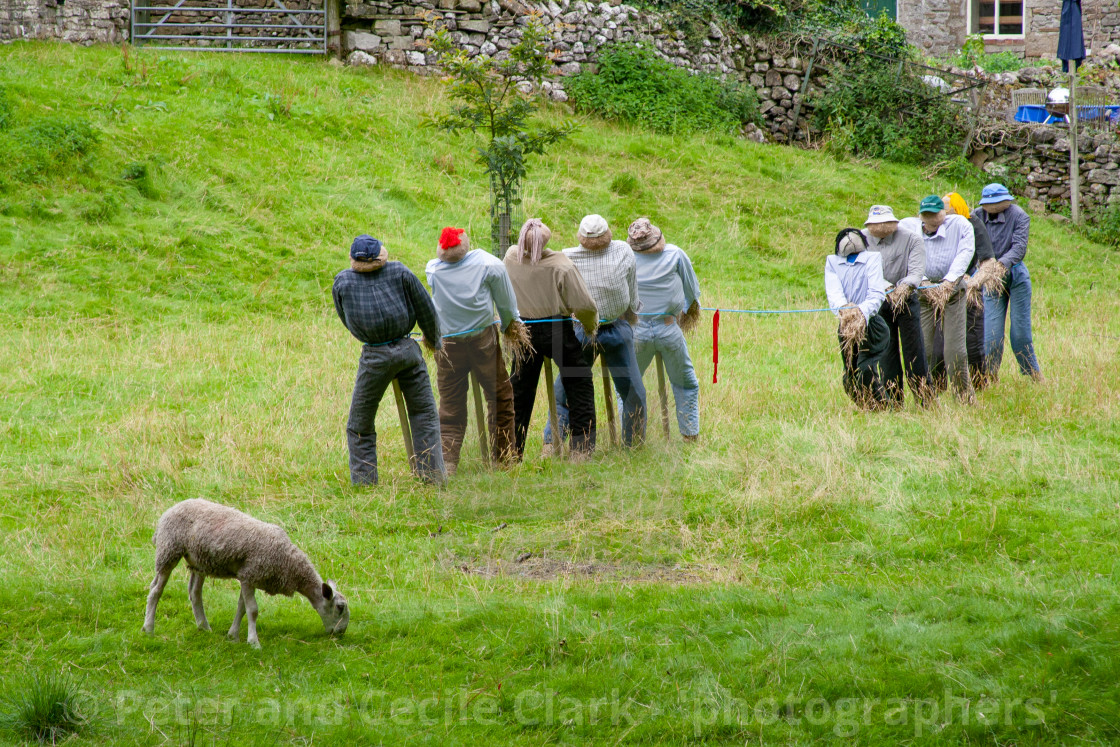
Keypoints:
(1035, 160)
(393, 33)
(79, 21)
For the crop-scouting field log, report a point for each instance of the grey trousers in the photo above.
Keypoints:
(377, 368)
(955, 328)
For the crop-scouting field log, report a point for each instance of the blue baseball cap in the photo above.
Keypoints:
(995, 193)
(365, 248)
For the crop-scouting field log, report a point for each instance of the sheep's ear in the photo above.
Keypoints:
(328, 592)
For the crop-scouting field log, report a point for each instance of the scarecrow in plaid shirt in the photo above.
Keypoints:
(608, 269)
(379, 302)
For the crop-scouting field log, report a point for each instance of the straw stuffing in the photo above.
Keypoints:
(852, 329)
(989, 278)
(938, 297)
(899, 297)
(518, 344)
(689, 319)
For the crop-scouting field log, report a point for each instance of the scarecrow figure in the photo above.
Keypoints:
(670, 293)
(379, 302)
(607, 269)
(1010, 228)
(976, 273)
(950, 243)
(549, 292)
(853, 281)
(467, 287)
(903, 256)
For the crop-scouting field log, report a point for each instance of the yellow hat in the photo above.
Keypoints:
(960, 207)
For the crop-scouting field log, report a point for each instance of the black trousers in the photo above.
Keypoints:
(905, 328)
(558, 342)
(974, 346)
(862, 377)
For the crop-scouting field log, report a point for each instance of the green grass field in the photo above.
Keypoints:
(805, 573)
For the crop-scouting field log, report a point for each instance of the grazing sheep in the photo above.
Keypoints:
(222, 542)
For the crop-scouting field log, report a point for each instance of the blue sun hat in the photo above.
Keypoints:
(995, 193)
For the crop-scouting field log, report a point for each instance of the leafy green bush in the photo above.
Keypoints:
(875, 110)
(1103, 226)
(634, 84)
(848, 23)
(972, 54)
(843, 21)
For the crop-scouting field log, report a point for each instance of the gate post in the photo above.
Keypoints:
(334, 27)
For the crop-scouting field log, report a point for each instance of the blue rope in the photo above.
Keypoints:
(383, 344)
(771, 311)
(702, 308)
(470, 331)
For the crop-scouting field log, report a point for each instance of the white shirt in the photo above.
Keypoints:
(859, 282)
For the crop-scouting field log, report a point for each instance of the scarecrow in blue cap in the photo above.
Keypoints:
(379, 302)
(1010, 228)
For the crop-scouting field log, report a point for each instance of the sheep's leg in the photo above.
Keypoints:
(250, 596)
(194, 589)
(235, 629)
(162, 574)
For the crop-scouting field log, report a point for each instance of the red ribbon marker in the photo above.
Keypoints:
(715, 347)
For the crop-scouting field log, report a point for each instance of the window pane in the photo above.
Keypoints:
(986, 23)
(1011, 17)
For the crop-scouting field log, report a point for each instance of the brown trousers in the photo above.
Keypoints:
(481, 356)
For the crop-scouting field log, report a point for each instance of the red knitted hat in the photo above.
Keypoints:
(449, 237)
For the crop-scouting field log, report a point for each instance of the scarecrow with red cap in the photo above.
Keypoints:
(380, 302)
(469, 288)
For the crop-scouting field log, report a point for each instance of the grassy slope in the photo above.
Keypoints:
(178, 340)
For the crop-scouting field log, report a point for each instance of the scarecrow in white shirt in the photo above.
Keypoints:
(853, 280)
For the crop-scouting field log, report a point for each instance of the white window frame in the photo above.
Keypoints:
(973, 11)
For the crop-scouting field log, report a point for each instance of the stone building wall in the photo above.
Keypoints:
(80, 21)
(940, 27)
(936, 27)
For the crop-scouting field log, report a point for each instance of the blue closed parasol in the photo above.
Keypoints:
(1071, 40)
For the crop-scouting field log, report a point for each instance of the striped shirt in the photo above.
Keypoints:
(949, 250)
(610, 277)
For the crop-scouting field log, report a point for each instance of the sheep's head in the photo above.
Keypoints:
(334, 612)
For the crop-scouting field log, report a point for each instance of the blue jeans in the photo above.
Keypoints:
(654, 336)
(1017, 295)
(615, 342)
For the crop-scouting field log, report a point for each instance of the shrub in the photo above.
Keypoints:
(634, 84)
(848, 23)
(972, 54)
(880, 112)
(46, 709)
(1103, 226)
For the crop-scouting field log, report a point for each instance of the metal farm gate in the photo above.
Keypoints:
(297, 27)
